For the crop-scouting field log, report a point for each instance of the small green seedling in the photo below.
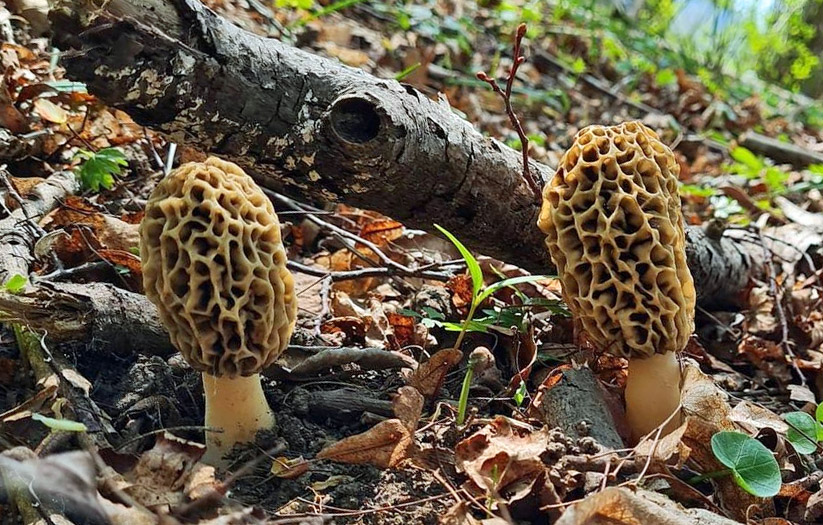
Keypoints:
(520, 393)
(480, 293)
(65, 425)
(15, 284)
(805, 432)
(98, 169)
(749, 462)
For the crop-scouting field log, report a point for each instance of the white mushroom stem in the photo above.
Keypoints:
(653, 394)
(237, 407)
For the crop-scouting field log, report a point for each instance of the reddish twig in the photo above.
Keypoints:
(507, 100)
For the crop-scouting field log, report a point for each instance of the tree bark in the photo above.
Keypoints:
(302, 124)
(311, 127)
(18, 231)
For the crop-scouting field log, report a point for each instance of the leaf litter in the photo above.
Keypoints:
(386, 335)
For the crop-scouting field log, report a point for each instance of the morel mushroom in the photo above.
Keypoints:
(615, 231)
(215, 266)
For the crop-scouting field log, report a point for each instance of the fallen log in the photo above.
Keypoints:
(781, 152)
(313, 128)
(19, 231)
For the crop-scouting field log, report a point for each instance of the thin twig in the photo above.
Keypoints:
(362, 273)
(518, 59)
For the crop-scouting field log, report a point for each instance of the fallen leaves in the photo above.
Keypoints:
(385, 445)
(429, 376)
(501, 454)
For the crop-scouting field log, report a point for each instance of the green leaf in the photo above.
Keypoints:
(406, 72)
(805, 424)
(697, 191)
(747, 158)
(99, 168)
(818, 413)
(775, 178)
(520, 393)
(508, 282)
(665, 77)
(475, 325)
(431, 313)
(474, 268)
(578, 66)
(60, 424)
(753, 466)
(15, 284)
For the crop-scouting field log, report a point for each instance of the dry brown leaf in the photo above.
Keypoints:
(23, 186)
(331, 482)
(429, 376)
(289, 468)
(621, 506)
(754, 418)
(10, 116)
(760, 318)
(51, 112)
(117, 234)
(403, 327)
(353, 327)
(501, 454)
(201, 482)
(408, 406)
(384, 446)
(462, 291)
(162, 475)
(765, 355)
(458, 515)
(381, 231)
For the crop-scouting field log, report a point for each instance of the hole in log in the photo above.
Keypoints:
(355, 120)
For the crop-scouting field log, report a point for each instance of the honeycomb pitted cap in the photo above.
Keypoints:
(614, 229)
(215, 266)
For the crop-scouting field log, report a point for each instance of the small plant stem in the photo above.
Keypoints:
(463, 402)
(465, 326)
(709, 475)
(506, 95)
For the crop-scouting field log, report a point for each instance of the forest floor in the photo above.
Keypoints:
(99, 429)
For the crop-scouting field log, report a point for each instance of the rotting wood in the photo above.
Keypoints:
(341, 405)
(313, 128)
(575, 403)
(18, 231)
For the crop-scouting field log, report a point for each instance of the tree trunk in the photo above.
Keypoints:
(313, 128)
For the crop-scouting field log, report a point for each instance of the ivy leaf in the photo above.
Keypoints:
(801, 425)
(752, 465)
(98, 169)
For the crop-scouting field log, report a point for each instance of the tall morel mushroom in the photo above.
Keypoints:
(215, 266)
(614, 228)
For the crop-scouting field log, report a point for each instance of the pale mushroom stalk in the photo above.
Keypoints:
(215, 267)
(237, 410)
(614, 229)
(653, 394)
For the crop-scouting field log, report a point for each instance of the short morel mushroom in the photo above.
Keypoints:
(614, 229)
(215, 266)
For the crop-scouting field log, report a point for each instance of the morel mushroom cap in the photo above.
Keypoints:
(214, 264)
(615, 231)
